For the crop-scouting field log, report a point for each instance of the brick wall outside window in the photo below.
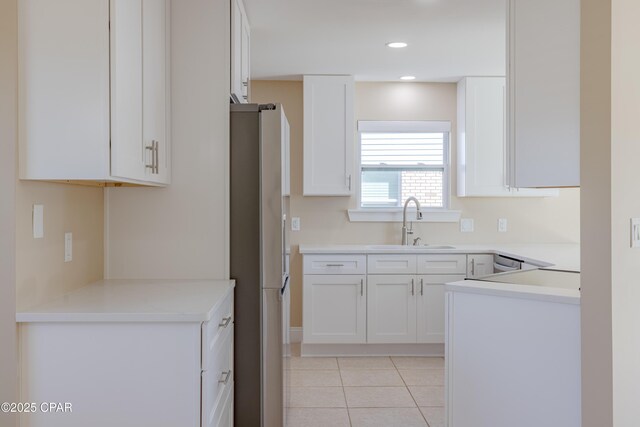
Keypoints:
(426, 186)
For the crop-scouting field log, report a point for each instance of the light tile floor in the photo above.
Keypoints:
(366, 391)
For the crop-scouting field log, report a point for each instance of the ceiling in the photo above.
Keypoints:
(448, 39)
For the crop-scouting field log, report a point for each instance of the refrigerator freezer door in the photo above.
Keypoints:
(272, 358)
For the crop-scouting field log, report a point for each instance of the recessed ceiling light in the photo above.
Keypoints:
(408, 78)
(396, 45)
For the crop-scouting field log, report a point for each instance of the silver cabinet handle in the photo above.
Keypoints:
(413, 289)
(226, 375)
(154, 157)
(473, 266)
(361, 287)
(335, 265)
(225, 322)
(152, 148)
(421, 286)
(349, 180)
(157, 159)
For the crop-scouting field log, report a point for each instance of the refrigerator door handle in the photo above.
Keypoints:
(285, 282)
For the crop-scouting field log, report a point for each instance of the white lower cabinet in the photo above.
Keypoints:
(391, 309)
(400, 299)
(479, 265)
(334, 309)
(130, 373)
(431, 305)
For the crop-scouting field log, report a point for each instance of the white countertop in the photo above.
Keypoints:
(560, 256)
(134, 301)
(543, 285)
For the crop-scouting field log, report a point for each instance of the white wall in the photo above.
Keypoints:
(182, 231)
(609, 163)
(8, 141)
(625, 201)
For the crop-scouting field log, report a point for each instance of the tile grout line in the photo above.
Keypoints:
(409, 391)
(344, 393)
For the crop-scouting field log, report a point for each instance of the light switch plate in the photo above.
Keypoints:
(68, 247)
(38, 221)
(295, 223)
(635, 232)
(502, 225)
(466, 225)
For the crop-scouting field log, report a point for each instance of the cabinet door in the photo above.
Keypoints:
(245, 58)
(334, 309)
(329, 139)
(128, 157)
(430, 310)
(481, 137)
(391, 309)
(479, 265)
(543, 87)
(240, 52)
(155, 89)
(63, 89)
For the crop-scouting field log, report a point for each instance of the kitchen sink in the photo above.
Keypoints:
(410, 247)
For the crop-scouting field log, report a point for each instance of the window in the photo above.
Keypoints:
(403, 159)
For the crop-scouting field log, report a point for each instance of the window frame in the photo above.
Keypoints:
(408, 126)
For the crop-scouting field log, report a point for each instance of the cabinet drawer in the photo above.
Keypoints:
(223, 414)
(221, 320)
(391, 264)
(335, 264)
(217, 376)
(442, 264)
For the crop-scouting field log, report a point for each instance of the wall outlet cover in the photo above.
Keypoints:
(295, 223)
(466, 225)
(502, 225)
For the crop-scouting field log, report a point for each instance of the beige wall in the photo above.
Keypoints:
(324, 219)
(8, 138)
(40, 268)
(182, 231)
(595, 187)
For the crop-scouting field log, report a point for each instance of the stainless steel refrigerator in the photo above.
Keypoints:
(259, 263)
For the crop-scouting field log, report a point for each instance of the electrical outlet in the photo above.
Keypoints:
(295, 223)
(502, 225)
(466, 225)
(635, 232)
(68, 247)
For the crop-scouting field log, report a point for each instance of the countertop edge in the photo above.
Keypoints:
(512, 290)
(32, 315)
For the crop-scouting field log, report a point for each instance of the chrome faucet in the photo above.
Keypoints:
(405, 231)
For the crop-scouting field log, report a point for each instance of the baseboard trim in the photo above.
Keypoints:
(336, 350)
(295, 334)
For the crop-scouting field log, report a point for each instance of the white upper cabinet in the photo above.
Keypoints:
(94, 91)
(482, 160)
(543, 93)
(240, 52)
(329, 139)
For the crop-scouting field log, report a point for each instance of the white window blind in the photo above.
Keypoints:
(397, 164)
(402, 149)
